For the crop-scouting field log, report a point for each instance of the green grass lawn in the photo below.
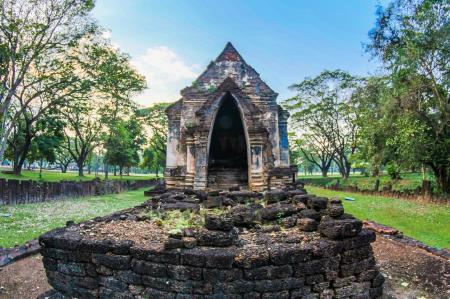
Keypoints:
(408, 183)
(426, 222)
(56, 176)
(29, 221)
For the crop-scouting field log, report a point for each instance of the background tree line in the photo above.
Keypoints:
(65, 93)
(397, 120)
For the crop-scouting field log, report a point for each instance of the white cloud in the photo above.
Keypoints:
(166, 75)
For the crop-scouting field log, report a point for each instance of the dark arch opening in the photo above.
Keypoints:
(227, 161)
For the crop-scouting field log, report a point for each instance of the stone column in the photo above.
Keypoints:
(201, 161)
(173, 136)
(190, 162)
(256, 170)
(284, 143)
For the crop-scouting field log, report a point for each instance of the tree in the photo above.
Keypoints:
(63, 157)
(297, 156)
(45, 144)
(375, 125)
(108, 82)
(323, 113)
(124, 144)
(316, 150)
(412, 38)
(32, 31)
(22, 144)
(153, 160)
(156, 121)
(115, 82)
(82, 132)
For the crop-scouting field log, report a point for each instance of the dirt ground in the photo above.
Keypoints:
(410, 273)
(24, 279)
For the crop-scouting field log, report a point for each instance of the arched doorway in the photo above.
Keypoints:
(227, 156)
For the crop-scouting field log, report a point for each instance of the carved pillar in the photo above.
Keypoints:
(201, 161)
(284, 143)
(172, 144)
(190, 162)
(257, 169)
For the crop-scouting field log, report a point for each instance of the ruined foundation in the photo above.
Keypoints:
(238, 244)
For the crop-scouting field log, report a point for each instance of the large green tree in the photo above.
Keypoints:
(34, 33)
(153, 160)
(412, 38)
(124, 144)
(109, 81)
(156, 123)
(322, 114)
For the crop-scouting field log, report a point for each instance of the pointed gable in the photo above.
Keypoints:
(229, 53)
(229, 64)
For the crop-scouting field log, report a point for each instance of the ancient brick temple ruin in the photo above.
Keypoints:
(228, 131)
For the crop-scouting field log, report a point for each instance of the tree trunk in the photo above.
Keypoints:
(63, 169)
(115, 170)
(22, 155)
(18, 167)
(442, 179)
(106, 167)
(80, 168)
(324, 172)
(40, 168)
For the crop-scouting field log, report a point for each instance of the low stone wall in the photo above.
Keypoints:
(21, 191)
(328, 269)
(321, 253)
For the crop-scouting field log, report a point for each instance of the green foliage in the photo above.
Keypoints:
(323, 113)
(34, 36)
(426, 222)
(408, 183)
(124, 143)
(174, 221)
(393, 171)
(153, 159)
(155, 119)
(412, 38)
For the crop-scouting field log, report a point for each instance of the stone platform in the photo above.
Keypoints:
(240, 244)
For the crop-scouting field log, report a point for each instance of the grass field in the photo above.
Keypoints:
(29, 221)
(429, 223)
(56, 176)
(426, 222)
(408, 182)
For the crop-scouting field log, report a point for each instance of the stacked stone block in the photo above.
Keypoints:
(336, 262)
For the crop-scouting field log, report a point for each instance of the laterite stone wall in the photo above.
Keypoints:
(317, 251)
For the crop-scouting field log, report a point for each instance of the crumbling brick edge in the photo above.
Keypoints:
(339, 264)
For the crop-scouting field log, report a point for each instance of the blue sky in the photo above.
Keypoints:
(171, 42)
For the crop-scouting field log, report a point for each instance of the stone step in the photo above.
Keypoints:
(227, 178)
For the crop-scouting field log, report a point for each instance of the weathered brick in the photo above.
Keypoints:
(289, 254)
(180, 272)
(116, 262)
(221, 275)
(148, 268)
